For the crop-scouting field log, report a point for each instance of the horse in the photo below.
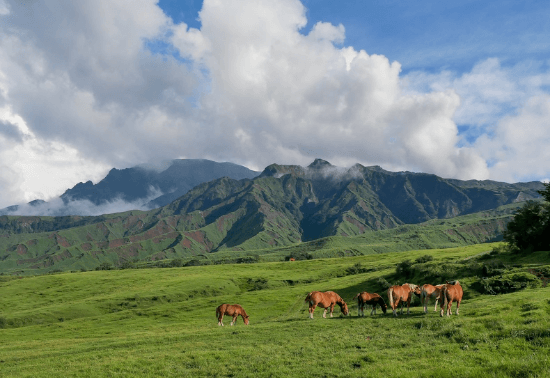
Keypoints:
(374, 299)
(428, 291)
(402, 293)
(231, 310)
(325, 300)
(451, 293)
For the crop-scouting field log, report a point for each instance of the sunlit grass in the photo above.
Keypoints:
(161, 323)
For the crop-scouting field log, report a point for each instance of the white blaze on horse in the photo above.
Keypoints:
(402, 294)
(373, 299)
(451, 292)
(326, 300)
(428, 291)
(231, 310)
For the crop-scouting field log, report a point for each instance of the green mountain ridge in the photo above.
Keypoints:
(284, 207)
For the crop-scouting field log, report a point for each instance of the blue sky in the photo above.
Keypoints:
(458, 89)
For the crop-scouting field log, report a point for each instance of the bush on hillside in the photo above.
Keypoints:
(301, 255)
(358, 268)
(506, 283)
(530, 229)
(423, 259)
(105, 266)
(404, 269)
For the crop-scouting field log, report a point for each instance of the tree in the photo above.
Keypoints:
(530, 228)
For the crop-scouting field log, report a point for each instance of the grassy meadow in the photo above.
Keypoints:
(161, 322)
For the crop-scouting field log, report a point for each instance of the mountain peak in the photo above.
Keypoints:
(319, 164)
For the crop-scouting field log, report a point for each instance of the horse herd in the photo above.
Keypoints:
(445, 293)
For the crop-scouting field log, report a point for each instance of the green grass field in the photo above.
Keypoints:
(161, 323)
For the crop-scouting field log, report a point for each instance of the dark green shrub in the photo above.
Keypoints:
(193, 262)
(301, 255)
(404, 269)
(104, 266)
(506, 283)
(176, 263)
(424, 259)
(382, 282)
(358, 269)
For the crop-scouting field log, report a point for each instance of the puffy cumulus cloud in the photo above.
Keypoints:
(503, 114)
(248, 87)
(488, 92)
(280, 95)
(518, 148)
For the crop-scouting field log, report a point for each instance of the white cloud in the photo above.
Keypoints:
(519, 145)
(252, 89)
(503, 111)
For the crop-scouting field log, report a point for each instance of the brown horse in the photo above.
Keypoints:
(231, 310)
(373, 299)
(325, 300)
(451, 292)
(402, 293)
(428, 291)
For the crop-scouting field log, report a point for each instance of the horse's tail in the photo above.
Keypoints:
(390, 296)
(443, 296)
(358, 294)
(308, 297)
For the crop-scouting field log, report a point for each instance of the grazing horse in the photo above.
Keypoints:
(428, 291)
(325, 300)
(373, 299)
(402, 293)
(451, 292)
(231, 310)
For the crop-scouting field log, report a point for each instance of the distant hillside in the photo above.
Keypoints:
(283, 206)
(141, 187)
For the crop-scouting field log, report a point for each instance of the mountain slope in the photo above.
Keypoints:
(139, 187)
(283, 206)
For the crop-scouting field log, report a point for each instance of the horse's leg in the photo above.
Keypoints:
(331, 309)
(449, 305)
(457, 306)
(424, 301)
(436, 300)
(234, 319)
(325, 313)
(220, 320)
(311, 309)
(396, 305)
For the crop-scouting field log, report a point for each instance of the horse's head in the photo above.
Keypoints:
(415, 289)
(344, 307)
(245, 318)
(383, 306)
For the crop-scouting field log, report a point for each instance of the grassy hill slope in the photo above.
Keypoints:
(161, 322)
(286, 206)
(139, 239)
